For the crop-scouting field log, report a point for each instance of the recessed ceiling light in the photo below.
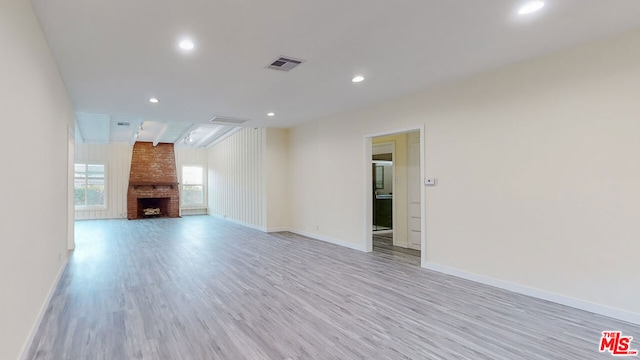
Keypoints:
(531, 7)
(153, 100)
(186, 44)
(358, 78)
(271, 114)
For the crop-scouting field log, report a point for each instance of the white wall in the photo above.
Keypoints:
(537, 165)
(36, 112)
(237, 184)
(319, 152)
(117, 158)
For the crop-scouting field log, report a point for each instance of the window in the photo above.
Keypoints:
(89, 184)
(192, 185)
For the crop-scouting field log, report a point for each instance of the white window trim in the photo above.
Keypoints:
(202, 205)
(106, 197)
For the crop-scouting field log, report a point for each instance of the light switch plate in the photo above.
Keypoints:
(430, 181)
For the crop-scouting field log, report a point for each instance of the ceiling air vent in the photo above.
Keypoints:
(284, 63)
(122, 123)
(222, 120)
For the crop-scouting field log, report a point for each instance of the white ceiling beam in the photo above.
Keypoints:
(224, 136)
(208, 136)
(160, 134)
(134, 132)
(186, 133)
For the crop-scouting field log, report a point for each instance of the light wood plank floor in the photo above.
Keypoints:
(384, 248)
(202, 288)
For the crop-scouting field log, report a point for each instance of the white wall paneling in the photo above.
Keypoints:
(276, 166)
(117, 158)
(236, 178)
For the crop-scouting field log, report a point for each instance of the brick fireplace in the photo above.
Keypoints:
(153, 182)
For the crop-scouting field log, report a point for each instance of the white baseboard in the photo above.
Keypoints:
(540, 294)
(194, 211)
(240, 222)
(315, 236)
(299, 232)
(43, 310)
(604, 310)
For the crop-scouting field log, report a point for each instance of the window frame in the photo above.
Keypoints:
(203, 204)
(86, 183)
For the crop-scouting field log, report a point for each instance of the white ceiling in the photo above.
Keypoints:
(114, 55)
(102, 129)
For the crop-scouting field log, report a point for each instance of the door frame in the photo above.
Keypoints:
(71, 209)
(393, 183)
(368, 189)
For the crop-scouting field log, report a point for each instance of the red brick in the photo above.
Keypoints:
(155, 167)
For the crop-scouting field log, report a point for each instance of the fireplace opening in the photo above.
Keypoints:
(153, 207)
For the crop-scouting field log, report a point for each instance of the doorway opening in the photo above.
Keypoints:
(394, 205)
(383, 185)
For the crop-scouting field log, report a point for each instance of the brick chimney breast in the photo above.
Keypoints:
(153, 181)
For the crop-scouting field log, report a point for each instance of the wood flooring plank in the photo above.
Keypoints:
(202, 288)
